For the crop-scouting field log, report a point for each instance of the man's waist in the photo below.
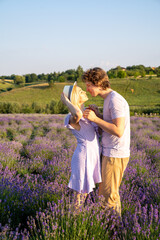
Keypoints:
(113, 152)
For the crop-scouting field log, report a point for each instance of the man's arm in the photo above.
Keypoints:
(115, 128)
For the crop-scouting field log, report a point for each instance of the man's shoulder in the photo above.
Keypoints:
(117, 97)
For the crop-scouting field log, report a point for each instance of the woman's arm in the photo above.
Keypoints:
(75, 111)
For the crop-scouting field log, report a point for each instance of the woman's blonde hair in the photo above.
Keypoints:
(75, 96)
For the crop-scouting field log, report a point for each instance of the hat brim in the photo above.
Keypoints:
(73, 91)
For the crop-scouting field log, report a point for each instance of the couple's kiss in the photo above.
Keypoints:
(90, 166)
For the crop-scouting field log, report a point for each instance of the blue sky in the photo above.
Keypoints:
(43, 36)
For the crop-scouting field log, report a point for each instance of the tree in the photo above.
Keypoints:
(121, 74)
(136, 74)
(12, 76)
(3, 79)
(70, 75)
(148, 69)
(112, 73)
(34, 77)
(55, 75)
(157, 71)
(142, 73)
(42, 77)
(28, 78)
(61, 79)
(71, 78)
(51, 80)
(19, 80)
(151, 73)
(79, 72)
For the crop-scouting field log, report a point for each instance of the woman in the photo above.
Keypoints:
(85, 164)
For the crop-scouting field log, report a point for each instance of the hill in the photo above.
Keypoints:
(141, 93)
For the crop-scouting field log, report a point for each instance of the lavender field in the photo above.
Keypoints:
(35, 203)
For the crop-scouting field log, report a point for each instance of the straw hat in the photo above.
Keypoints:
(68, 90)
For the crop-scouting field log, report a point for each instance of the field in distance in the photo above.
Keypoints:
(142, 92)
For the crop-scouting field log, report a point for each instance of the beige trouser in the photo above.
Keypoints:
(112, 173)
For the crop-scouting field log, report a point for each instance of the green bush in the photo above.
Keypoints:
(7, 107)
(52, 106)
(14, 108)
(37, 108)
(60, 108)
(26, 108)
(57, 107)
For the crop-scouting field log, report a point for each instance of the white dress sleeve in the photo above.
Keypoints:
(66, 121)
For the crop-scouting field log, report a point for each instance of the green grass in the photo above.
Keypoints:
(146, 93)
(5, 84)
(41, 94)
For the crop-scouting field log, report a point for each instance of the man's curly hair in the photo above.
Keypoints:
(97, 77)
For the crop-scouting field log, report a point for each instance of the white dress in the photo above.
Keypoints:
(85, 164)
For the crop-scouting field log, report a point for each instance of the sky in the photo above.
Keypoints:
(44, 36)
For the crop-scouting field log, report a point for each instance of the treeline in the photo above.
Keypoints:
(72, 75)
(133, 71)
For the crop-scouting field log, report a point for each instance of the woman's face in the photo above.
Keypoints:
(82, 95)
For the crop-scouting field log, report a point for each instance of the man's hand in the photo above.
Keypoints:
(89, 114)
(94, 108)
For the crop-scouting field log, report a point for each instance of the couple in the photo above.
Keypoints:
(86, 169)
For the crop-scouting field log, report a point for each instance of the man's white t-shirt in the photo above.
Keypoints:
(115, 106)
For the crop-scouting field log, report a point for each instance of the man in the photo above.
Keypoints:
(115, 125)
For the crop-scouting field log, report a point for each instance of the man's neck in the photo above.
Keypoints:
(104, 93)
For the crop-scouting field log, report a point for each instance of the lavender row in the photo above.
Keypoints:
(35, 156)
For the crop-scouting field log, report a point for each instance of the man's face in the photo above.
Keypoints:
(92, 89)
